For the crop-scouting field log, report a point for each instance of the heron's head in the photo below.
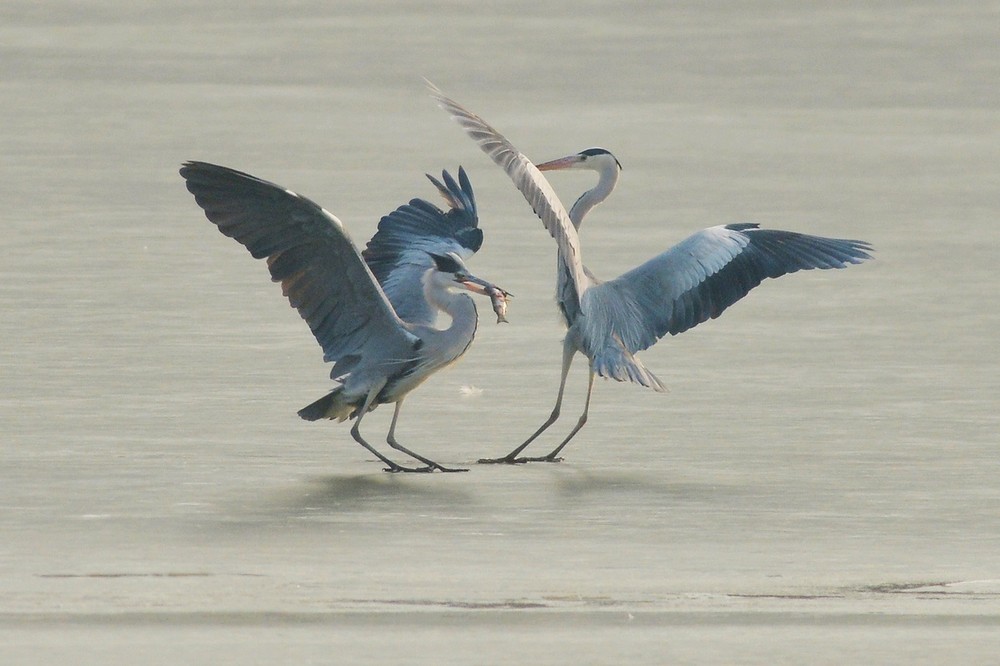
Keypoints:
(593, 159)
(450, 272)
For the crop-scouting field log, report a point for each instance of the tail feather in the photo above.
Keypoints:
(616, 362)
(333, 405)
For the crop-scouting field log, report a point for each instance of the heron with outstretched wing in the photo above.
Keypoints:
(697, 279)
(373, 313)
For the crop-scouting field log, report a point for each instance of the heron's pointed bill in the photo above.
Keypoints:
(567, 162)
(497, 295)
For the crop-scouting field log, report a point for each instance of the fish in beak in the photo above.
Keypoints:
(498, 297)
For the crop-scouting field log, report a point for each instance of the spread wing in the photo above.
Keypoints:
(528, 179)
(704, 274)
(309, 252)
(398, 253)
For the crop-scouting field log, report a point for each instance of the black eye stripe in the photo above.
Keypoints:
(446, 264)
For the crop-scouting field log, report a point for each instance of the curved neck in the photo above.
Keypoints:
(451, 342)
(605, 186)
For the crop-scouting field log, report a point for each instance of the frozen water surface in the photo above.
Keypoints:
(820, 485)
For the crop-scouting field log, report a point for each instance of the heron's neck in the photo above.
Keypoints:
(605, 186)
(452, 341)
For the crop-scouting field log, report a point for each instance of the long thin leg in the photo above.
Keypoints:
(568, 352)
(391, 439)
(356, 434)
(552, 457)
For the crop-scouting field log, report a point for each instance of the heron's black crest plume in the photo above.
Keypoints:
(594, 152)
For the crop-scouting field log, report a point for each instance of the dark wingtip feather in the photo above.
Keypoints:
(420, 223)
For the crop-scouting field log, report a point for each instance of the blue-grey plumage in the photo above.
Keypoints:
(399, 252)
(381, 337)
(697, 279)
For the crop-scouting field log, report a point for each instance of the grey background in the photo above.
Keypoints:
(821, 483)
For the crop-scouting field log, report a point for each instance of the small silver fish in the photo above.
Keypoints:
(499, 298)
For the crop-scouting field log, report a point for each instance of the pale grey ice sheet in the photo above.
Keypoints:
(821, 482)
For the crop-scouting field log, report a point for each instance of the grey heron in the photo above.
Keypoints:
(697, 279)
(373, 313)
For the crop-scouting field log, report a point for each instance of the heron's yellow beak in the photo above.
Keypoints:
(476, 285)
(567, 162)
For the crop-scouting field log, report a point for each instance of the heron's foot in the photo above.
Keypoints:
(442, 468)
(548, 459)
(510, 459)
(422, 470)
(396, 469)
(506, 460)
